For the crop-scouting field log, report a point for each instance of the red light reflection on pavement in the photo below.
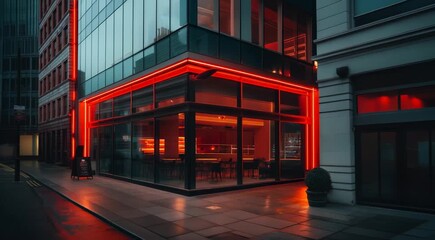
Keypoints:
(72, 222)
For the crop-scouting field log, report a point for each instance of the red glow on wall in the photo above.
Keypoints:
(385, 102)
(410, 102)
(73, 51)
(310, 93)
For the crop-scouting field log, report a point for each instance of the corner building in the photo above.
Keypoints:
(377, 101)
(197, 95)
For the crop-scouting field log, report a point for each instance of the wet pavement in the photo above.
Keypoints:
(271, 212)
(30, 210)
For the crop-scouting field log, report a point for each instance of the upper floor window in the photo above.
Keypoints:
(367, 11)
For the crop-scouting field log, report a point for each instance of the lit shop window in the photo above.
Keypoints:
(378, 102)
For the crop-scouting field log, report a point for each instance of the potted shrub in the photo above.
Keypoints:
(318, 182)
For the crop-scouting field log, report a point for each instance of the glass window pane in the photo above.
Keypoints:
(128, 28)
(109, 41)
(104, 145)
(291, 151)
(171, 148)
(388, 167)
(303, 30)
(128, 67)
(250, 21)
(258, 142)
(290, 103)
(203, 42)
(118, 37)
(289, 30)
(102, 47)
(229, 49)
(271, 25)
(229, 17)
(272, 62)
(251, 55)
(105, 109)
(117, 75)
(162, 18)
(258, 98)
(216, 150)
(365, 6)
(143, 100)
(121, 105)
(143, 150)
(178, 14)
(171, 92)
(94, 61)
(138, 62)
(109, 76)
(179, 42)
(150, 57)
(88, 67)
(122, 150)
(162, 50)
(138, 27)
(216, 91)
(207, 14)
(150, 22)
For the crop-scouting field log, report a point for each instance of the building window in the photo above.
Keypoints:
(216, 91)
(65, 105)
(250, 21)
(143, 150)
(378, 102)
(229, 17)
(271, 25)
(208, 14)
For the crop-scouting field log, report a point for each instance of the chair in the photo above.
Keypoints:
(216, 171)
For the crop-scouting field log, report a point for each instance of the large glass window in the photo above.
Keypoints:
(122, 150)
(271, 25)
(291, 150)
(162, 18)
(179, 42)
(302, 38)
(171, 92)
(150, 57)
(128, 28)
(203, 42)
(250, 21)
(143, 100)
(138, 25)
(150, 22)
(216, 91)
(229, 17)
(417, 98)
(178, 14)
(208, 14)
(258, 98)
(258, 141)
(171, 150)
(119, 23)
(143, 150)
(88, 53)
(216, 150)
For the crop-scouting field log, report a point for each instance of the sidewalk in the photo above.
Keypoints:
(272, 212)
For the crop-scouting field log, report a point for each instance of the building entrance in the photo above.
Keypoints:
(396, 166)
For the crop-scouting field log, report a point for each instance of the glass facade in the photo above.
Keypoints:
(173, 130)
(148, 140)
(126, 37)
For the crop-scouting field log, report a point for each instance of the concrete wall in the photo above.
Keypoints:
(399, 40)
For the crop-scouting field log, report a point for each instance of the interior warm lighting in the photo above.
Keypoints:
(146, 145)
